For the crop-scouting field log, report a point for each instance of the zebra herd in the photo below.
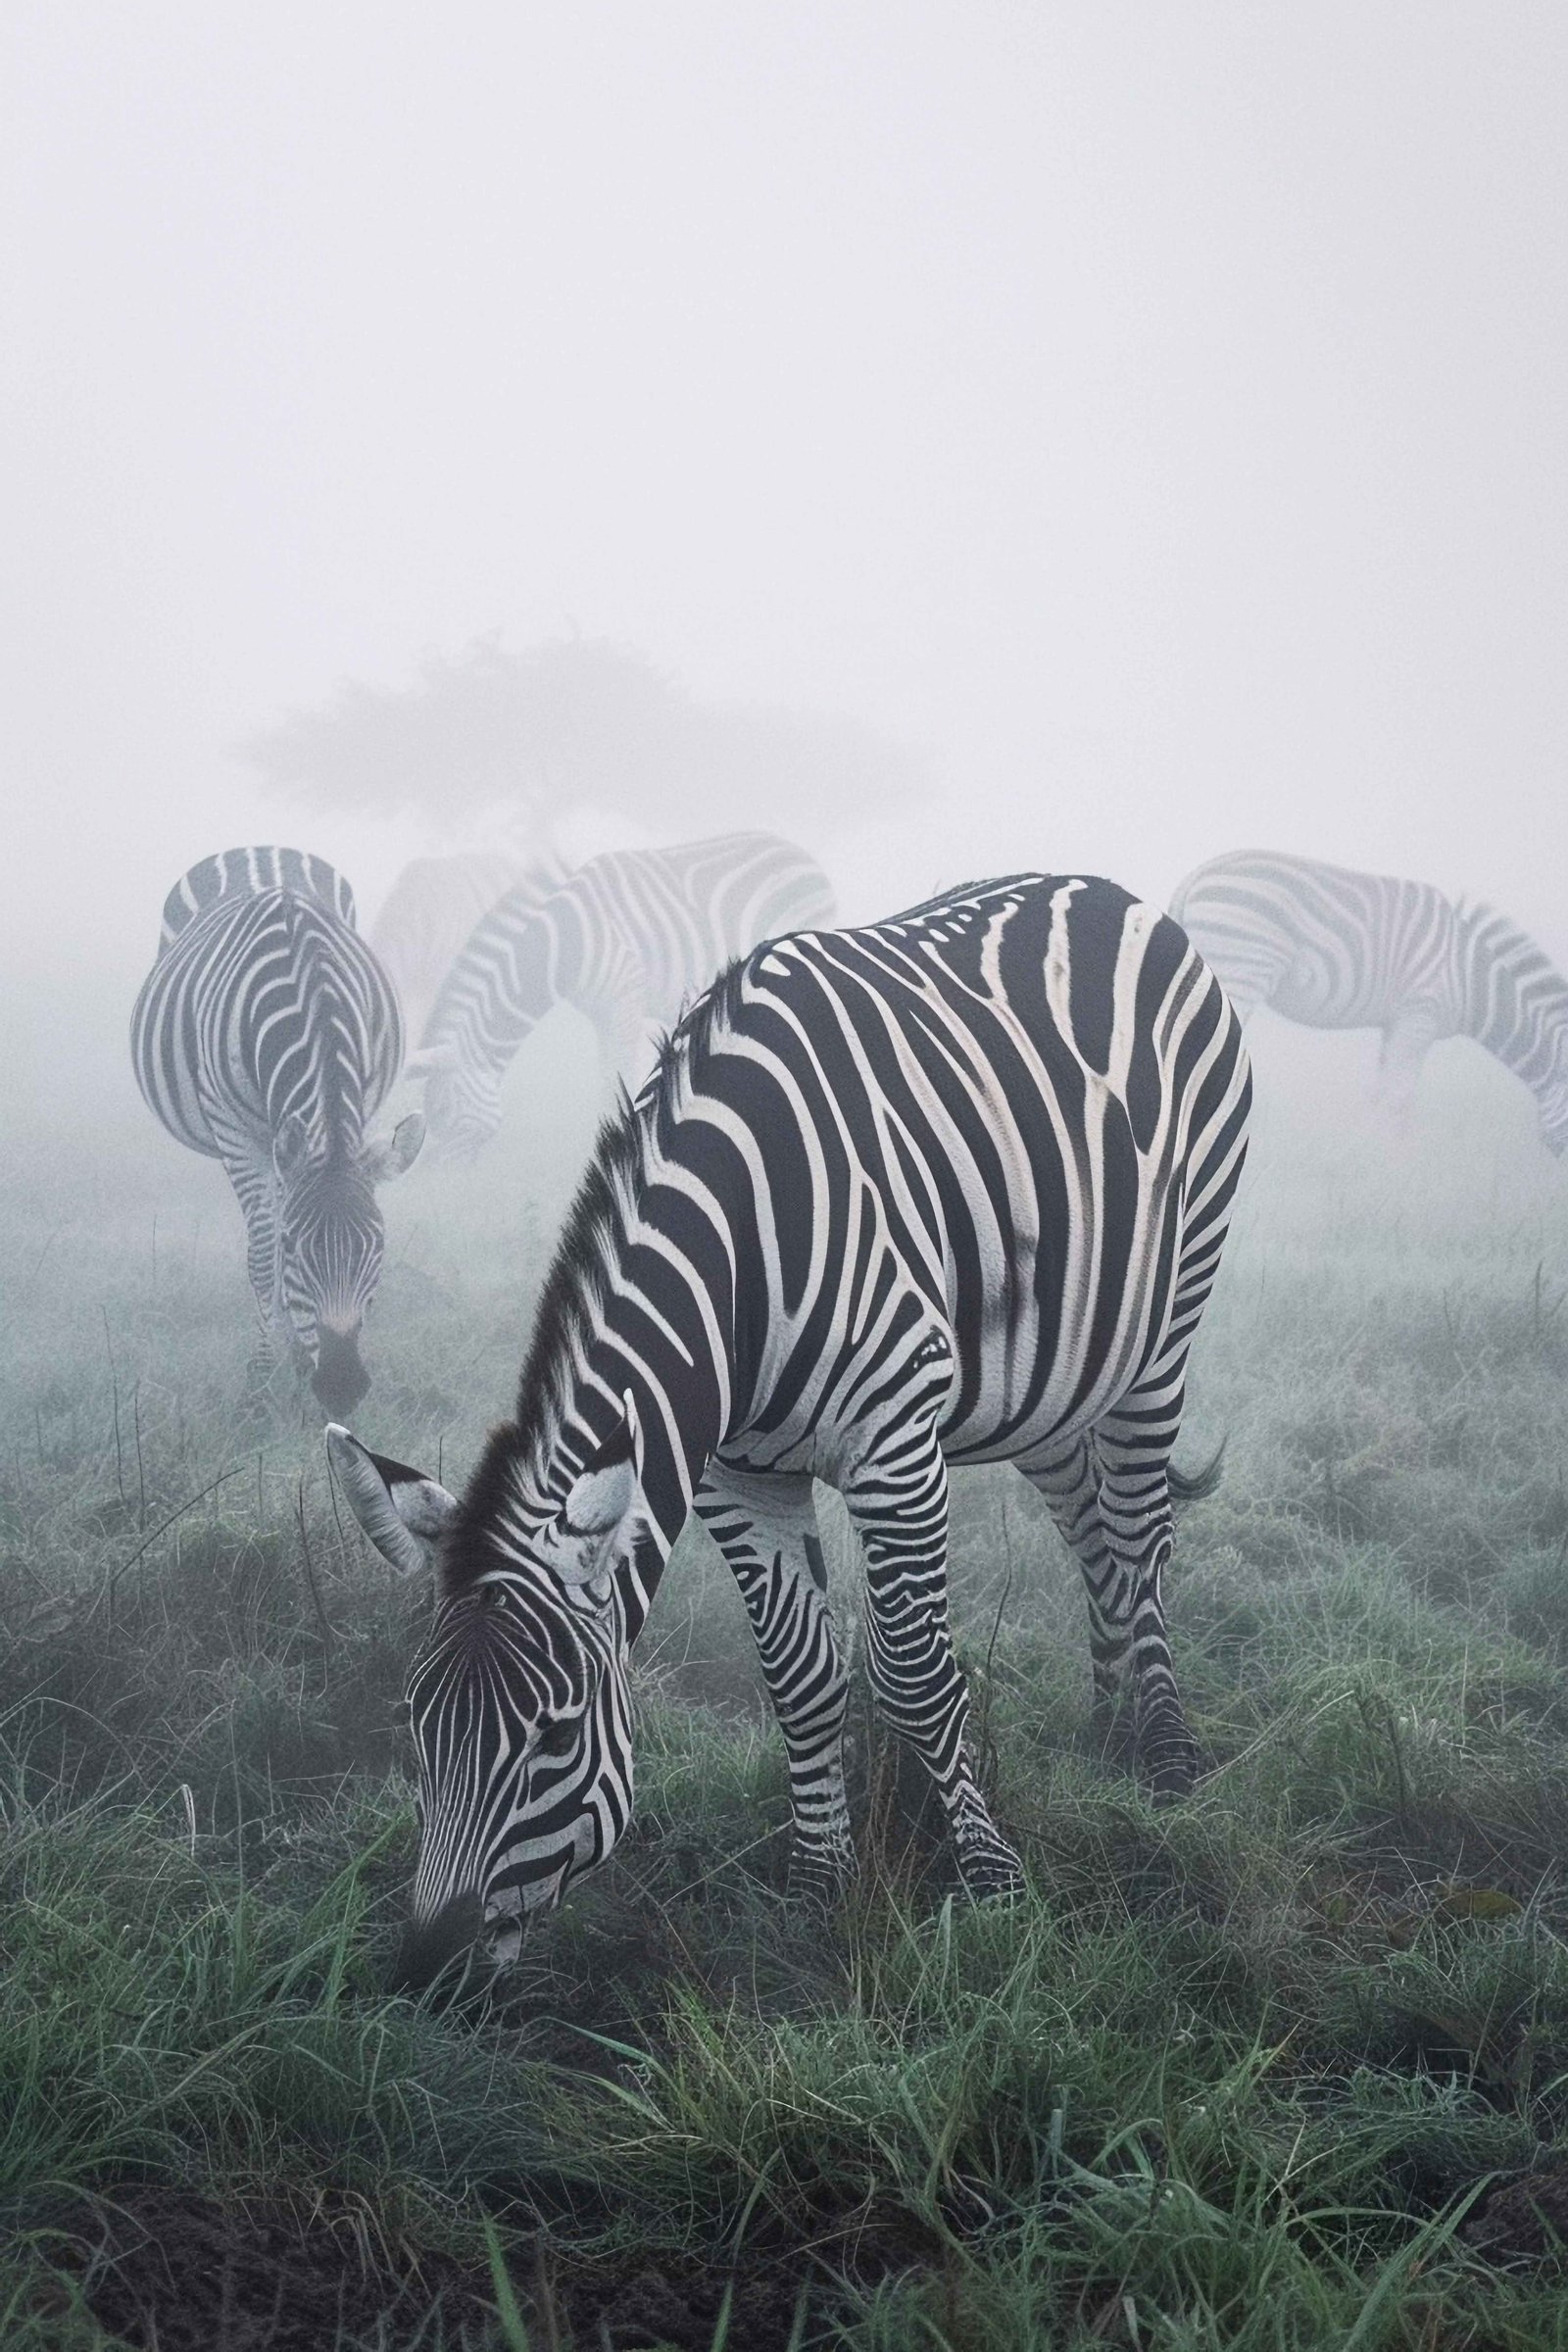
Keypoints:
(948, 1189)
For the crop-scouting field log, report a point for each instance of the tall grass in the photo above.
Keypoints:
(1285, 2067)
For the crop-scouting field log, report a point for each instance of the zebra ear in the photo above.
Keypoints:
(291, 1146)
(404, 1513)
(583, 1543)
(396, 1152)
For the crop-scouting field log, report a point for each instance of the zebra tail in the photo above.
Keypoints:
(1196, 1484)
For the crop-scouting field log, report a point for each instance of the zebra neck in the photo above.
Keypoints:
(1515, 999)
(516, 966)
(639, 1308)
(620, 1322)
(677, 1433)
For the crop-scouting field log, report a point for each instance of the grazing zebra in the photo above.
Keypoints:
(951, 1188)
(626, 939)
(1338, 949)
(429, 912)
(266, 1036)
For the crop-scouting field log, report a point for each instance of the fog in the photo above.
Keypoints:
(964, 437)
(1150, 418)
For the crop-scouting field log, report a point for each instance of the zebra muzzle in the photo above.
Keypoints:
(441, 1947)
(340, 1379)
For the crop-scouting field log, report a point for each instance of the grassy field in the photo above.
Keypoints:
(1286, 2066)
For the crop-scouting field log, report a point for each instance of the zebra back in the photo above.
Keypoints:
(245, 872)
(263, 999)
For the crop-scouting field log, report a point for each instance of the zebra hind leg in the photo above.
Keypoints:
(900, 1508)
(1068, 1483)
(1136, 1514)
(1110, 1500)
(766, 1528)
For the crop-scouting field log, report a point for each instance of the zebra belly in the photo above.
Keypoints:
(1314, 1008)
(168, 1073)
(1030, 1370)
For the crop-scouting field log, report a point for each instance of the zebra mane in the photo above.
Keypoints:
(681, 1051)
(580, 1279)
(518, 903)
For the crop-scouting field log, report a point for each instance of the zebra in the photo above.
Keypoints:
(951, 1188)
(431, 909)
(626, 939)
(1339, 950)
(266, 1036)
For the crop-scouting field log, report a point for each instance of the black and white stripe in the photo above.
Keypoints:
(1339, 950)
(243, 873)
(626, 940)
(266, 1036)
(951, 1188)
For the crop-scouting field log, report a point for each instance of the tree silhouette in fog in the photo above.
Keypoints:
(577, 723)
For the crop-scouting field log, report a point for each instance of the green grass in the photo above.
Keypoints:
(1262, 2072)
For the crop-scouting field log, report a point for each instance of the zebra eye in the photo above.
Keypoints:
(557, 1738)
(492, 1596)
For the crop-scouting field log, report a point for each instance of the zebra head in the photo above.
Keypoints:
(330, 1244)
(462, 1099)
(517, 1701)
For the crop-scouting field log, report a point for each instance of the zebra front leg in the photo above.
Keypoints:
(274, 1370)
(766, 1527)
(256, 1190)
(1407, 1042)
(899, 1507)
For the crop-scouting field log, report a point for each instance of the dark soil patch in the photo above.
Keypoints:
(173, 2272)
(1524, 2223)
(651, 2308)
(168, 2271)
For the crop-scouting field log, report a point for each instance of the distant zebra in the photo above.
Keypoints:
(1339, 950)
(266, 1036)
(950, 1189)
(431, 909)
(626, 939)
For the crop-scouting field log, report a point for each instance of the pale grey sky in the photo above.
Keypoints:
(1156, 411)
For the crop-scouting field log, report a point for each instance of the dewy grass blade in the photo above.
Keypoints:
(507, 2309)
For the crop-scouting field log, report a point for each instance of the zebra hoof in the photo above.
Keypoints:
(1112, 1739)
(819, 1881)
(995, 1875)
(1172, 1774)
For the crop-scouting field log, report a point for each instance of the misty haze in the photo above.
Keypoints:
(783, 1548)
